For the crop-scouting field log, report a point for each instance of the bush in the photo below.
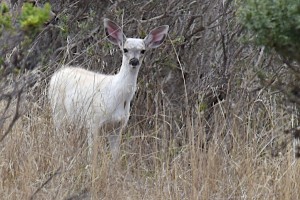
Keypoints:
(5, 17)
(32, 18)
(17, 54)
(275, 24)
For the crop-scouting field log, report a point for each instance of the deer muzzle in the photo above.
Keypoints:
(134, 62)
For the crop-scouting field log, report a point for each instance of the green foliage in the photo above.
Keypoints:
(202, 107)
(63, 25)
(178, 40)
(5, 17)
(275, 24)
(32, 18)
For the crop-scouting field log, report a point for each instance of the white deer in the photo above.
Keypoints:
(96, 100)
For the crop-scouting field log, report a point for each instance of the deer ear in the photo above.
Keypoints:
(156, 36)
(113, 32)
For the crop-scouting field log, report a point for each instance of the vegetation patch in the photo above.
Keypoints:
(275, 24)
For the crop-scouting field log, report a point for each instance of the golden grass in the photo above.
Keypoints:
(37, 163)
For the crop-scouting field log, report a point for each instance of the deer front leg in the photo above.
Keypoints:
(114, 139)
(114, 144)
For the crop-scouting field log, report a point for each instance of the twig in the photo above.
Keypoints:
(16, 116)
(45, 183)
(154, 18)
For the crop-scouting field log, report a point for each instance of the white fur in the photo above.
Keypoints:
(93, 100)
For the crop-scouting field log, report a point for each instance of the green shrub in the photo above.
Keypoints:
(5, 17)
(274, 23)
(32, 18)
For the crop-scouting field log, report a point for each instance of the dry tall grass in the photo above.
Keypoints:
(236, 163)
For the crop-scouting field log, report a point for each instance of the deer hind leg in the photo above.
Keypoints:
(92, 137)
(59, 116)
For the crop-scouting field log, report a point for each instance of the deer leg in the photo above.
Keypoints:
(58, 118)
(92, 134)
(114, 140)
(114, 144)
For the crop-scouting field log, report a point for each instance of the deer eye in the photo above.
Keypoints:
(143, 51)
(125, 50)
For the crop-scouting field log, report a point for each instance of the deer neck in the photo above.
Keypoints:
(127, 77)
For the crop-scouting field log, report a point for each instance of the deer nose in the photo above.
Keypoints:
(134, 62)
